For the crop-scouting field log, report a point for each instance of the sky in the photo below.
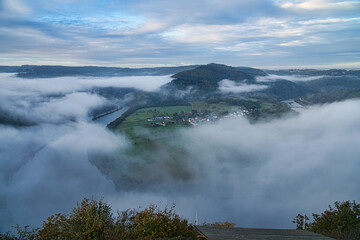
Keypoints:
(143, 33)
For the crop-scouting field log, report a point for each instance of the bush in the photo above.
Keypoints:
(93, 219)
(155, 223)
(341, 221)
(225, 224)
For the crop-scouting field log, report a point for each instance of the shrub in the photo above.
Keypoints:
(341, 221)
(155, 223)
(225, 224)
(93, 219)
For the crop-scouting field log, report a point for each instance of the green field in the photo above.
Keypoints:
(143, 134)
(140, 127)
(145, 113)
(199, 106)
(139, 118)
(216, 108)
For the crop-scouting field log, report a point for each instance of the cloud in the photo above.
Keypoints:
(18, 7)
(293, 78)
(57, 100)
(252, 30)
(70, 84)
(228, 86)
(72, 106)
(315, 5)
(251, 173)
(55, 173)
(230, 170)
(45, 167)
(213, 11)
(143, 33)
(304, 42)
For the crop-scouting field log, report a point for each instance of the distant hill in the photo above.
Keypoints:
(334, 83)
(284, 89)
(204, 80)
(252, 71)
(331, 96)
(207, 77)
(44, 71)
(9, 69)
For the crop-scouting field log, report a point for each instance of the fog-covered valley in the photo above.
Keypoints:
(254, 174)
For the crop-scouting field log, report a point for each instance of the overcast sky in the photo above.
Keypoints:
(136, 33)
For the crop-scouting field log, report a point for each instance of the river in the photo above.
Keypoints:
(294, 105)
(105, 120)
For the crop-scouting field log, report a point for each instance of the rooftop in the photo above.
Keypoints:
(235, 233)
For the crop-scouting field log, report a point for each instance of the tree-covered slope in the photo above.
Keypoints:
(207, 77)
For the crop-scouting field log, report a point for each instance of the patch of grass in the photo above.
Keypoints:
(265, 106)
(219, 108)
(144, 113)
(139, 118)
(145, 136)
(199, 106)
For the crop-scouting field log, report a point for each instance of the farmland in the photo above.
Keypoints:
(147, 127)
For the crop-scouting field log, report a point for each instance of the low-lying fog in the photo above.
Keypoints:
(228, 86)
(293, 78)
(256, 175)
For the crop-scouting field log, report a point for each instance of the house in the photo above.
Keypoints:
(159, 124)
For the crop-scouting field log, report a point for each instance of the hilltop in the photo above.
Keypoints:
(207, 77)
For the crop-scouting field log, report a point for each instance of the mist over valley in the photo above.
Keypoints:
(218, 140)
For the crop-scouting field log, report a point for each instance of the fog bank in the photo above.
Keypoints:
(293, 78)
(256, 175)
(228, 86)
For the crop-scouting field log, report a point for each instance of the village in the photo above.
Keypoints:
(195, 118)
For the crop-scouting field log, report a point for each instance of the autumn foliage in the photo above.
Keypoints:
(341, 221)
(93, 219)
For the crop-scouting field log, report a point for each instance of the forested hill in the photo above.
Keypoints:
(207, 77)
(252, 71)
(9, 69)
(280, 84)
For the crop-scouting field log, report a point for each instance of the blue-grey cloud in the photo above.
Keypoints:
(256, 33)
